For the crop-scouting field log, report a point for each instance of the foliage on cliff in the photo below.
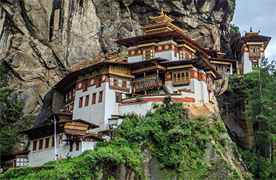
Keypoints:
(260, 109)
(177, 142)
(9, 116)
(11, 121)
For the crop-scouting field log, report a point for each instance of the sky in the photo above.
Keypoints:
(261, 16)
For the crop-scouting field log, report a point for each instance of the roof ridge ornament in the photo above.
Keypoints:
(251, 32)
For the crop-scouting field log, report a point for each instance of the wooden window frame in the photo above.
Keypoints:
(80, 102)
(86, 100)
(100, 97)
(148, 53)
(180, 77)
(94, 98)
(254, 52)
(34, 145)
(47, 142)
(40, 145)
(124, 84)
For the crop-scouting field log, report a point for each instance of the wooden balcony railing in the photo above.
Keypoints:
(181, 81)
(146, 84)
(256, 55)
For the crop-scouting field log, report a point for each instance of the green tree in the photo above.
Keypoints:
(10, 114)
(260, 109)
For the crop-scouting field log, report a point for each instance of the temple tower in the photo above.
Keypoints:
(249, 50)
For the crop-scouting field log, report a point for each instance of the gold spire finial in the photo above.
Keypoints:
(162, 13)
(251, 29)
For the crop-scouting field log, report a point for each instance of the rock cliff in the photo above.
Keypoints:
(40, 40)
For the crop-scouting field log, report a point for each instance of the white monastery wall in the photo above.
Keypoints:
(247, 64)
(44, 155)
(94, 113)
(139, 108)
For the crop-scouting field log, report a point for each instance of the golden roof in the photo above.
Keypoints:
(162, 18)
(251, 32)
(163, 24)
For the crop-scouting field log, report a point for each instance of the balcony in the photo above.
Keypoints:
(146, 84)
(255, 55)
(181, 81)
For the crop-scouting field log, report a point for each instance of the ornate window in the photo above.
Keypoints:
(185, 54)
(254, 52)
(181, 77)
(148, 53)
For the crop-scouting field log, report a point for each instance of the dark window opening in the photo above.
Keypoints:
(34, 145)
(94, 98)
(101, 96)
(86, 100)
(47, 142)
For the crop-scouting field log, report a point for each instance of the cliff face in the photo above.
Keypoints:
(40, 39)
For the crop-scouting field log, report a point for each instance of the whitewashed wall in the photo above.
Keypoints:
(44, 155)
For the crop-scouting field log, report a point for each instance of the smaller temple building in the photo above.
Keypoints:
(15, 160)
(249, 50)
(71, 138)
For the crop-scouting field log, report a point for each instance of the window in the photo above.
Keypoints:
(53, 141)
(254, 52)
(181, 78)
(47, 142)
(86, 100)
(80, 102)
(148, 53)
(120, 82)
(71, 147)
(184, 54)
(77, 146)
(101, 96)
(94, 98)
(111, 82)
(116, 83)
(34, 145)
(40, 144)
(118, 97)
(124, 84)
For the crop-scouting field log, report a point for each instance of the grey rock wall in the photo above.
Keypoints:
(40, 40)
